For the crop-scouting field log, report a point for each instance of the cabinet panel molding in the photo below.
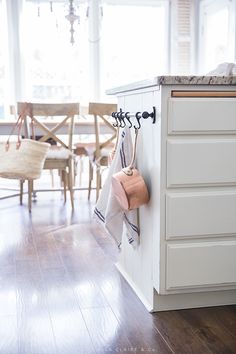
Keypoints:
(201, 115)
(201, 264)
(201, 161)
(198, 214)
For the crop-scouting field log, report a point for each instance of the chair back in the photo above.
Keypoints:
(101, 111)
(64, 112)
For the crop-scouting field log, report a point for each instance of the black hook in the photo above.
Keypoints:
(128, 119)
(138, 116)
(114, 115)
(121, 118)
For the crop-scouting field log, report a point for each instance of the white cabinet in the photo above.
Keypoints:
(195, 214)
(187, 252)
(200, 264)
(205, 115)
(201, 161)
(200, 194)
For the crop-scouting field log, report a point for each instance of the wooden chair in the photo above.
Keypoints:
(100, 147)
(60, 155)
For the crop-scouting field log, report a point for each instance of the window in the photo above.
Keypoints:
(38, 62)
(134, 41)
(54, 68)
(3, 61)
(217, 33)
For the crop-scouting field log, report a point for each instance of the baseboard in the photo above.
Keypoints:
(140, 295)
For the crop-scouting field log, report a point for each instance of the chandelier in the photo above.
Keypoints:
(72, 17)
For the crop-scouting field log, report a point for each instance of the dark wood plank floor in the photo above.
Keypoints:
(60, 291)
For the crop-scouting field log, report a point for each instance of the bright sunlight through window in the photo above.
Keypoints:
(55, 70)
(134, 43)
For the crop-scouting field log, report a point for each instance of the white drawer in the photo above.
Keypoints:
(201, 162)
(207, 115)
(195, 265)
(199, 214)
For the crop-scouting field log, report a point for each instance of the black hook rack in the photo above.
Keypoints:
(121, 116)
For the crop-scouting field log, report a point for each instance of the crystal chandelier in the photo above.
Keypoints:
(72, 17)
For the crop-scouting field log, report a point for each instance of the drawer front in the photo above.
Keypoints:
(201, 162)
(190, 215)
(201, 115)
(195, 265)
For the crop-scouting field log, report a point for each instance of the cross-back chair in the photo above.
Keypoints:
(101, 113)
(60, 155)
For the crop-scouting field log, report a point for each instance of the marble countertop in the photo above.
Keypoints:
(175, 80)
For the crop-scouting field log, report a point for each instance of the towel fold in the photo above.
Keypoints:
(107, 210)
(224, 69)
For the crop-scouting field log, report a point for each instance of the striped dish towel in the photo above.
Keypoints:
(107, 210)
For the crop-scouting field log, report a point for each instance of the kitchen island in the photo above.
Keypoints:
(187, 252)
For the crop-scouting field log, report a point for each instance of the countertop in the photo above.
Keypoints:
(175, 80)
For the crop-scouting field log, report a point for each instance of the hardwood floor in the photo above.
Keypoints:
(60, 291)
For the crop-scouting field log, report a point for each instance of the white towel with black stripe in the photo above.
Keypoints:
(107, 210)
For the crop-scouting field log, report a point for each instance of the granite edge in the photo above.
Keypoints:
(175, 80)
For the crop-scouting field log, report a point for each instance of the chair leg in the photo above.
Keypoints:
(98, 182)
(21, 191)
(81, 169)
(90, 179)
(70, 185)
(30, 191)
(64, 182)
(75, 171)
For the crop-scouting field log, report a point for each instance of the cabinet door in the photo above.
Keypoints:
(206, 115)
(201, 162)
(198, 265)
(200, 214)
